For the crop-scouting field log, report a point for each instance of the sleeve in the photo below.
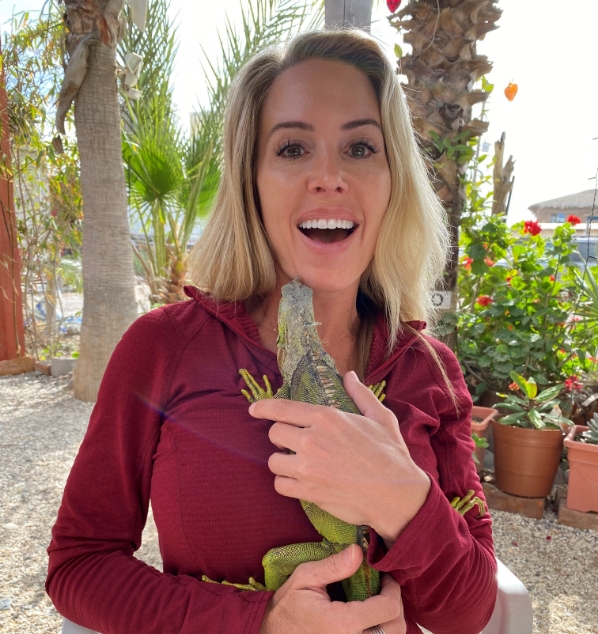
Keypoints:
(93, 578)
(444, 561)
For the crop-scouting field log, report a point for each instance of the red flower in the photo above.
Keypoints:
(533, 227)
(514, 387)
(484, 300)
(489, 262)
(467, 263)
(509, 278)
(552, 278)
(393, 5)
(574, 220)
(573, 384)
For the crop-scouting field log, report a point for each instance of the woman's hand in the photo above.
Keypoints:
(302, 605)
(357, 468)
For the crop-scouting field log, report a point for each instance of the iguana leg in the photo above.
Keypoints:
(377, 390)
(463, 505)
(257, 392)
(280, 563)
(252, 585)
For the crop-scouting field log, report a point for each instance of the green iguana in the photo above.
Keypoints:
(310, 376)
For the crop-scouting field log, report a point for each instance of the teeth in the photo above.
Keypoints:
(324, 223)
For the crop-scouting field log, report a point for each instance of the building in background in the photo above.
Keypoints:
(558, 210)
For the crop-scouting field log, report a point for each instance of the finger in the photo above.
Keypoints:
(283, 464)
(390, 587)
(284, 411)
(285, 436)
(373, 611)
(365, 399)
(392, 590)
(319, 574)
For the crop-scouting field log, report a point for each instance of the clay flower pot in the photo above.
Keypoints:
(526, 460)
(481, 429)
(582, 492)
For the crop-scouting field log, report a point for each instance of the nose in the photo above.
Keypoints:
(326, 176)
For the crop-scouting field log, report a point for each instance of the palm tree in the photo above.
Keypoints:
(173, 175)
(109, 305)
(442, 71)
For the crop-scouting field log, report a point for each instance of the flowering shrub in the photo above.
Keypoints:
(518, 299)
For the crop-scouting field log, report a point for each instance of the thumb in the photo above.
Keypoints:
(334, 568)
(364, 398)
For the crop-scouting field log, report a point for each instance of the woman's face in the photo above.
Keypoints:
(322, 175)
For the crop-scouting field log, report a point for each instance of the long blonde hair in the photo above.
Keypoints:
(233, 261)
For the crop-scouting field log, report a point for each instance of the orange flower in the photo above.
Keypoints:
(489, 262)
(552, 278)
(514, 387)
(467, 263)
(511, 91)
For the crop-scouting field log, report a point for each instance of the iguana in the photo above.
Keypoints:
(310, 375)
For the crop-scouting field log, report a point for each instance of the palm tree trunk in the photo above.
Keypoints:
(109, 305)
(441, 72)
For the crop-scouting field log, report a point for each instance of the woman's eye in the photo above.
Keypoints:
(289, 150)
(358, 150)
(293, 151)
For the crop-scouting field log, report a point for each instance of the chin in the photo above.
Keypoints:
(326, 281)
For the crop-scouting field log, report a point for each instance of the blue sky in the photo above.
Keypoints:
(547, 47)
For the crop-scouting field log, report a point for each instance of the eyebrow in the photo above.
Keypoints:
(301, 125)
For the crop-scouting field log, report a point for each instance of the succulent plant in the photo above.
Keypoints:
(591, 436)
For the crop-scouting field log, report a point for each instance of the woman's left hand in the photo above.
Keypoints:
(357, 468)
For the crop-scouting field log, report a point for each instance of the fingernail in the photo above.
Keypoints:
(353, 376)
(348, 555)
(251, 408)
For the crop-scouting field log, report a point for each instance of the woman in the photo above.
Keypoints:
(322, 181)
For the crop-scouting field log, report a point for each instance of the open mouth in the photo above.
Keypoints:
(327, 230)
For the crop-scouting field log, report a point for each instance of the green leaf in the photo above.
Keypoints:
(535, 418)
(521, 382)
(512, 419)
(398, 51)
(548, 394)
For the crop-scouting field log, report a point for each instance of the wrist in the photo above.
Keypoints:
(397, 516)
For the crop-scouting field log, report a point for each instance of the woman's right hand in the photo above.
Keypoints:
(302, 605)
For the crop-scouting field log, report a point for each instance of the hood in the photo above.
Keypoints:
(234, 315)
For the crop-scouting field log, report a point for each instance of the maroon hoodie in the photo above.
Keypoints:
(171, 426)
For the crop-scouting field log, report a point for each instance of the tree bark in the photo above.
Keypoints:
(441, 72)
(502, 177)
(109, 305)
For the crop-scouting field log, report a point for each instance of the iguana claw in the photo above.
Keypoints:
(463, 505)
(257, 392)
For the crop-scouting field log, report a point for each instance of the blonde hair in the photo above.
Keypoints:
(233, 261)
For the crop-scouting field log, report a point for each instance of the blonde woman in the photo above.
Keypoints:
(322, 182)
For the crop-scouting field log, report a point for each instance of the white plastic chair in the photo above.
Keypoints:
(512, 613)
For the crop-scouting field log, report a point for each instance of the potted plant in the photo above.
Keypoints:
(528, 441)
(582, 454)
(518, 307)
(481, 417)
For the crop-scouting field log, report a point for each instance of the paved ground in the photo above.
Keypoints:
(41, 427)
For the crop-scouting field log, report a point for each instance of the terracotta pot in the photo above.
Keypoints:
(526, 460)
(582, 492)
(481, 429)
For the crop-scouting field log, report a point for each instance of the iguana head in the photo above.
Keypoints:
(296, 326)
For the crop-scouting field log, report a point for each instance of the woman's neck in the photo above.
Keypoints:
(336, 313)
